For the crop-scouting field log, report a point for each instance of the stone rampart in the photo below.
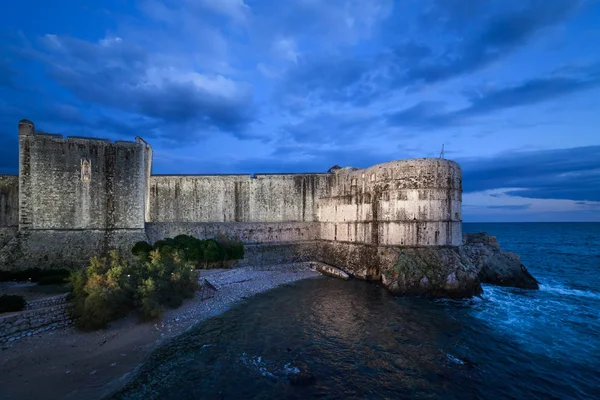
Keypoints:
(79, 197)
(247, 232)
(9, 201)
(236, 198)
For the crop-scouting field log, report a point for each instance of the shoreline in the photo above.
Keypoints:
(69, 364)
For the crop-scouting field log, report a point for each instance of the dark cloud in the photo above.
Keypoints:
(499, 35)
(330, 128)
(511, 207)
(572, 174)
(330, 78)
(128, 81)
(422, 115)
(428, 115)
(470, 43)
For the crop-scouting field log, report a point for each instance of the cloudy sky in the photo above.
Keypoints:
(510, 87)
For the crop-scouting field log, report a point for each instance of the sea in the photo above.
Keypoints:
(325, 338)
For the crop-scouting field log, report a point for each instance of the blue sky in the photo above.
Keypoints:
(511, 88)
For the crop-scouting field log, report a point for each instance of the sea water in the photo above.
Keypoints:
(356, 341)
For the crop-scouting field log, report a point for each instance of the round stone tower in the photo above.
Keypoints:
(416, 202)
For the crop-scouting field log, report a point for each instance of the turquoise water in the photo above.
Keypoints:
(359, 342)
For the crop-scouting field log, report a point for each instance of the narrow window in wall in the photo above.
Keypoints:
(86, 170)
(456, 216)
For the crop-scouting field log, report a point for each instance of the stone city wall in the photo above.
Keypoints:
(9, 200)
(247, 232)
(6, 235)
(79, 197)
(236, 198)
(65, 249)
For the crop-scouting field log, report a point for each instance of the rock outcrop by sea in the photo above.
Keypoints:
(495, 266)
(454, 272)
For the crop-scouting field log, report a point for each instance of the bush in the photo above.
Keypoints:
(11, 303)
(141, 250)
(110, 288)
(195, 251)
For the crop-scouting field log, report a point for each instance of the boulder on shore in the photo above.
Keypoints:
(495, 266)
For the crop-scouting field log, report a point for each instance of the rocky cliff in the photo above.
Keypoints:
(495, 266)
(452, 271)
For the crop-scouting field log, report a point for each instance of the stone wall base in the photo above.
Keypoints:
(55, 249)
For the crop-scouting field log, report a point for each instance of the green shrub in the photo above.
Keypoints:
(195, 251)
(110, 288)
(141, 250)
(11, 303)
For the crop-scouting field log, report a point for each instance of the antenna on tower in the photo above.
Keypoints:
(442, 152)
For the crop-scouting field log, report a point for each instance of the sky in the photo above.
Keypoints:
(511, 88)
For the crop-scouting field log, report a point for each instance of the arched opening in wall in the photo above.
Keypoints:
(456, 216)
(437, 237)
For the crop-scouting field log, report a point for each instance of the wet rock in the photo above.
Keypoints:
(429, 271)
(495, 266)
(303, 378)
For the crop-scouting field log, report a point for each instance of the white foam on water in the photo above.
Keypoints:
(563, 291)
(257, 364)
(455, 360)
(290, 370)
(268, 368)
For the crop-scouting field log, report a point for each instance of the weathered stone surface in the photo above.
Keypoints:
(9, 202)
(494, 265)
(436, 272)
(359, 260)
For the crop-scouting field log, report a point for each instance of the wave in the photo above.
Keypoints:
(570, 292)
(267, 368)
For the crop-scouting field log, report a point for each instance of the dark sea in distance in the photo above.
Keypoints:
(362, 343)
